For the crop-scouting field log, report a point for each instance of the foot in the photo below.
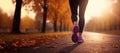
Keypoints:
(74, 35)
(75, 29)
(80, 40)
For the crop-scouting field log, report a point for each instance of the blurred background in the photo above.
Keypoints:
(55, 16)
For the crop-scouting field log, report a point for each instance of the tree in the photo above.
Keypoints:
(27, 24)
(17, 15)
(54, 10)
(45, 7)
(5, 22)
(61, 24)
(57, 10)
(42, 7)
(64, 20)
(37, 6)
(116, 13)
(1, 19)
(38, 18)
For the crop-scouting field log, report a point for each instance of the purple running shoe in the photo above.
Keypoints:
(74, 35)
(80, 40)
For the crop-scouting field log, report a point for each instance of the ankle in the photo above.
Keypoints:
(75, 24)
(80, 35)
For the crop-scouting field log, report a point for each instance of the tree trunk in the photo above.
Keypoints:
(55, 22)
(60, 26)
(45, 7)
(64, 27)
(55, 25)
(17, 15)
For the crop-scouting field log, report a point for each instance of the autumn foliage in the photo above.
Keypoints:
(22, 42)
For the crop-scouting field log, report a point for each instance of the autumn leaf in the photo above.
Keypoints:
(1, 47)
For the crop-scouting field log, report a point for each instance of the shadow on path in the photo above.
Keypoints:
(69, 49)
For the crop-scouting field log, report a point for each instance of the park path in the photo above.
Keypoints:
(93, 43)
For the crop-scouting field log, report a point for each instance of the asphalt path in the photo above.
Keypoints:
(93, 43)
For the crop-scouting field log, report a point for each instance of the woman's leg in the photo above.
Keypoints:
(82, 8)
(73, 6)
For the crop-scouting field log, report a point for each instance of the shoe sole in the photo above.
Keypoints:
(74, 35)
(80, 41)
(74, 38)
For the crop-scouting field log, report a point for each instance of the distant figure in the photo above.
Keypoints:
(78, 26)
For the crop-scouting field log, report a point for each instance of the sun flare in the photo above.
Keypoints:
(97, 8)
(94, 8)
(8, 7)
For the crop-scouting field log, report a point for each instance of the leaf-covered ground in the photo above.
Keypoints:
(60, 42)
(10, 42)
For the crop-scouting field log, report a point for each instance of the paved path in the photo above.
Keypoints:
(94, 43)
